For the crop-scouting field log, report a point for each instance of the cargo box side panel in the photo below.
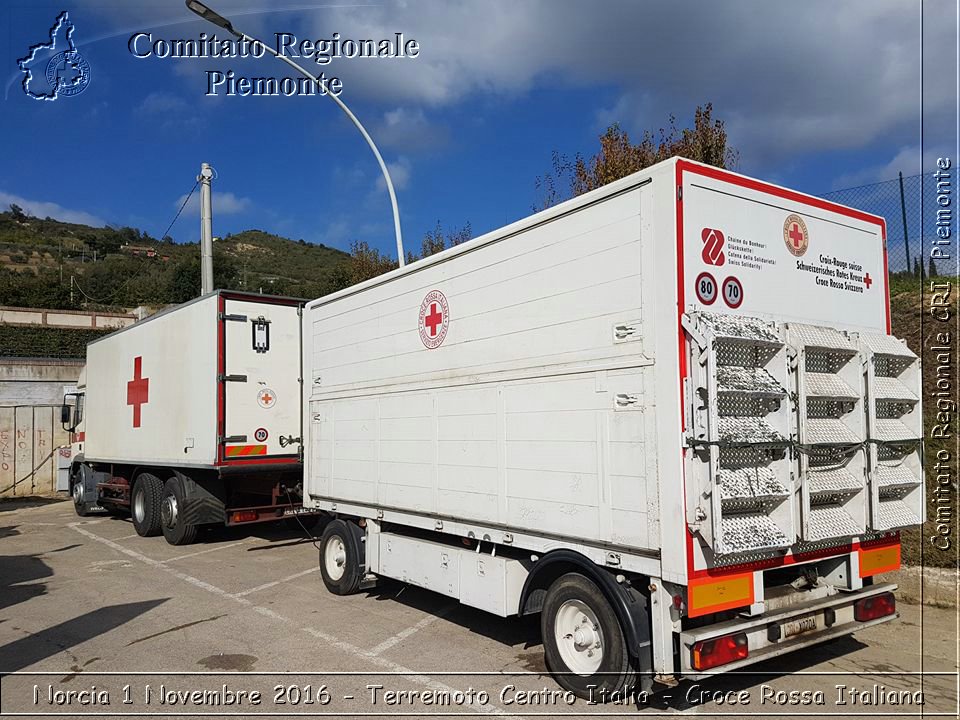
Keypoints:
(262, 405)
(528, 414)
(152, 390)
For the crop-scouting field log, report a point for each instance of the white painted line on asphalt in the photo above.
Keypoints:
(407, 632)
(258, 588)
(346, 647)
(400, 670)
(202, 552)
(196, 582)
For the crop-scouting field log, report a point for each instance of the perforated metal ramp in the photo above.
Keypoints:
(894, 428)
(742, 434)
(832, 430)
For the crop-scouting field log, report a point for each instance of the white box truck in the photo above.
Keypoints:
(192, 417)
(667, 415)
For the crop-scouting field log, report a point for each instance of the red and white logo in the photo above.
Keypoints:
(712, 247)
(732, 292)
(795, 235)
(434, 319)
(266, 398)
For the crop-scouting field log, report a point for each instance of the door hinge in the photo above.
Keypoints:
(233, 318)
(232, 378)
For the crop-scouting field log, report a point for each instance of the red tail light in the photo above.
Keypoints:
(243, 516)
(719, 651)
(875, 607)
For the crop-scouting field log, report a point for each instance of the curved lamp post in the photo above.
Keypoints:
(211, 16)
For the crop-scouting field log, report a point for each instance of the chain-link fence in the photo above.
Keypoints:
(908, 203)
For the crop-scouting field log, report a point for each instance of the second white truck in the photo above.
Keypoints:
(667, 415)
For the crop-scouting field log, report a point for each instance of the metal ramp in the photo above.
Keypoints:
(741, 435)
(831, 433)
(895, 428)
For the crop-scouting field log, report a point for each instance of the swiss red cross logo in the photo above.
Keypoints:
(434, 319)
(266, 398)
(712, 247)
(138, 390)
(795, 235)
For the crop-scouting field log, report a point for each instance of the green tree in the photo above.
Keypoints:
(932, 269)
(618, 156)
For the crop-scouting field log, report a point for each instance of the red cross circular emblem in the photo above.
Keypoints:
(434, 319)
(795, 235)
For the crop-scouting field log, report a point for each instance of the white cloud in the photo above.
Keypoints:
(44, 209)
(224, 203)
(409, 130)
(399, 174)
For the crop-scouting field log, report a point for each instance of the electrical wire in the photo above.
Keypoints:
(28, 475)
(142, 262)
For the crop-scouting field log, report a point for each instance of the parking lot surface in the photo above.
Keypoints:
(97, 620)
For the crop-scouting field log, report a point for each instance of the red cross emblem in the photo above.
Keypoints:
(434, 319)
(795, 235)
(138, 390)
(867, 280)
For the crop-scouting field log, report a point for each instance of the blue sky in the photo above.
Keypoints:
(816, 96)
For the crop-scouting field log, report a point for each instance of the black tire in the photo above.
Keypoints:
(615, 674)
(341, 550)
(175, 530)
(145, 504)
(77, 491)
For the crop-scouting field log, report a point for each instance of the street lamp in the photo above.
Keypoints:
(211, 16)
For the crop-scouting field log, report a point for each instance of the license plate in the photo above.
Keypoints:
(798, 626)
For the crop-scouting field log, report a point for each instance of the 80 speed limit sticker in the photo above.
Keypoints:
(706, 288)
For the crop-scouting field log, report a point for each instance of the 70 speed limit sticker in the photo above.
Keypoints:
(732, 292)
(706, 287)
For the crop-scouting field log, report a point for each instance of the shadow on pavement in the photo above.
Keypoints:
(17, 573)
(38, 646)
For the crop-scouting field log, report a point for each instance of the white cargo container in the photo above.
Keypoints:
(667, 414)
(193, 416)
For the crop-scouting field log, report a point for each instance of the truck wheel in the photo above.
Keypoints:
(145, 504)
(77, 491)
(340, 549)
(175, 529)
(583, 644)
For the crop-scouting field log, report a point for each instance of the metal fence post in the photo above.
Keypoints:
(903, 211)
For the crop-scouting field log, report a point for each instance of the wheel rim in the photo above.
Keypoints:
(78, 493)
(579, 637)
(139, 505)
(335, 558)
(169, 511)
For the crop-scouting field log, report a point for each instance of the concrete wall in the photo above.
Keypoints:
(64, 318)
(36, 382)
(29, 437)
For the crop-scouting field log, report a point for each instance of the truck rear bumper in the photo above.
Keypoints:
(785, 630)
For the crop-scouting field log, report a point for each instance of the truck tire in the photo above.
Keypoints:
(145, 504)
(583, 644)
(77, 492)
(175, 529)
(340, 552)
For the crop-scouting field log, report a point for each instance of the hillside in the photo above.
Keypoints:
(52, 264)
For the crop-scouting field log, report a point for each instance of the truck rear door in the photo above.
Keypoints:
(261, 381)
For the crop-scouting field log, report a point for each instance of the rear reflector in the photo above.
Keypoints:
(875, 607)
(719, 651)
(244, 516)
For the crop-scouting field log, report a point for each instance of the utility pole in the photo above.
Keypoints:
(206, 229)
(906, 244)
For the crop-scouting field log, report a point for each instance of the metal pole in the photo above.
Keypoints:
(206, 230)
(903, 211)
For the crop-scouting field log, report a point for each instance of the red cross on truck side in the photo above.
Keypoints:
(796, 235)
(867, 280)
(138, 390)
(433, 319)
